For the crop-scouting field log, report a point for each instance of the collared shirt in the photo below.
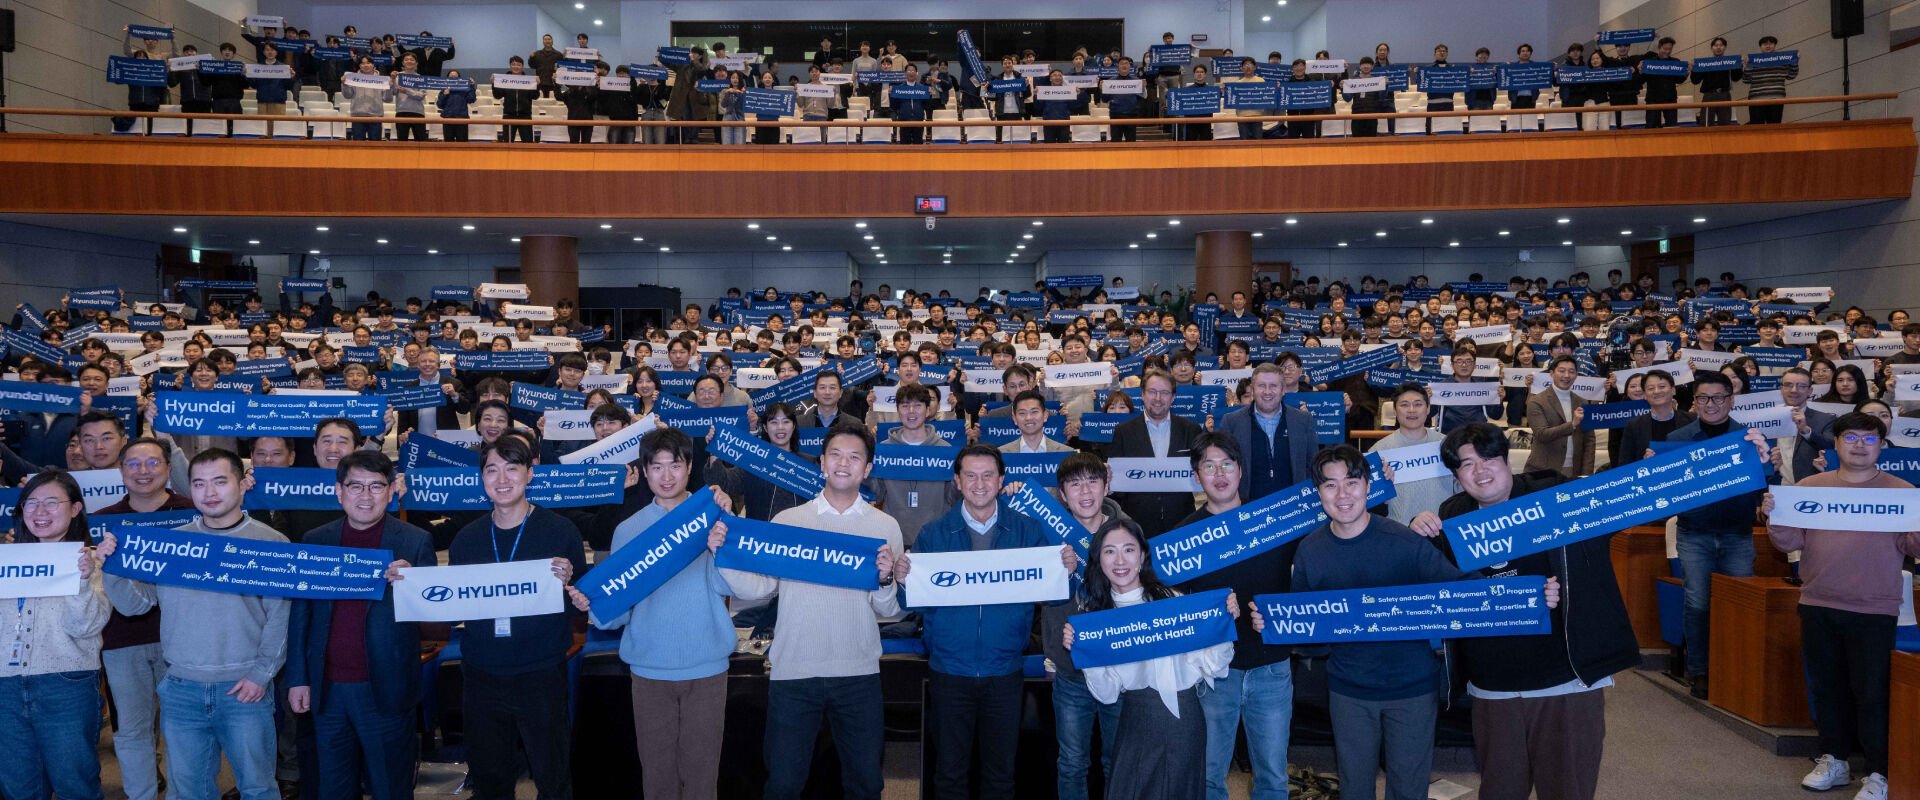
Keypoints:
(1268, 424)
(824, 508)
(981, 528)
(1574, 686)
(1160, 434)
(1025, 448)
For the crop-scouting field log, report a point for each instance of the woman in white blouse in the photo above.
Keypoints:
(1161, 750)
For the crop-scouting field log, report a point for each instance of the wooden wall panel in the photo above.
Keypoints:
(1867, 159)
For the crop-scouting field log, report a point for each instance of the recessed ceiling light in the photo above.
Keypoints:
(1699, 220)
(874, 247)
(772, 238)
(665, 249)
(466, 227)
(868, 237)
(433, 252)
(179, 230)
(859, 224)
(599, 22)
(379, 241)
(1258, 234)
(1282, 2)
(1019, 247)
(1174, 222)
(1133, 245)
(606, 226)
(1292, 221)
(1009, 260)
(1039, 222)
(320, 228)
(1628, 232)
(1380, 234)
(313, 252)
(1343, 244)
(1026, 236)
(515, 240)
(1566, 243)
(253, 241)
(1426, 220)
(753, 226)
(786, 248)
(639, 238)
(1266, 18)
(1564, 220)
(1153, 236)
(1506, 233)
(579, 6)
(883, 261)
(1453, 244)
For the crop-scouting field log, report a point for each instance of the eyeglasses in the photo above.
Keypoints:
(139, 464)
(357, 489)
(1705, 399)
(1861, 438)
(38, 505)
(1218, 467)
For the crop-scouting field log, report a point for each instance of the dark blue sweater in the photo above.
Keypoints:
(1387, 553)
(1732, 515)
(536, 641)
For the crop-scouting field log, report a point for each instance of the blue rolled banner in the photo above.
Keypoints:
(230, 565)
(648, 72)
(531, 397)
(416, 398)
(773, 102)
(787, 391)
(914, 462)
(1657, 488)
(1308, 95)
(136, 71)
(1513, 606)
(1034, 468)
(422, 450)
(859, 370)
(99, 525)
(1193, 101)
(1252, 95)
(711, 86)
(1609, 416)
(553, 486)
(997, 431)
(1329, 410)
(413, 42)
(1054, 518)
(332, 54)
(801, 554)
(1098, 428)
(1668, 67)
(1219, 541)
(1272, 72)
(1362, 362)
(236, 414)
(766, 462)
(1629, 36)
(970, 55)
(1450, 79)
(880, 76)
(674, 56)
(506, 361)
(1151, 630)
(45, 398)
(297, 489)
(643, 564)
(1777, 58)
(1716, 64)
(697, 421)
(155, 32)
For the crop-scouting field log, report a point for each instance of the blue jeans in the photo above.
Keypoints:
(1074, 714)
(133, 676)
(364, 132)
(202, 722)
(353, 734)
(1262, 698)
(1703, 553)
(53, 724)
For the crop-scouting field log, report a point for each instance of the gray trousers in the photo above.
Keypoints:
(1362, 729)
(133, 673)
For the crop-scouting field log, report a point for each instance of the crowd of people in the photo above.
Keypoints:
(232, 674)
(711, 85)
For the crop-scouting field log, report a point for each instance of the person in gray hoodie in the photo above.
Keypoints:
(222, 650)
(914, 503)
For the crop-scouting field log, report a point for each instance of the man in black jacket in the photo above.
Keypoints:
(364, 683)
(1538, 714)
(517, 103)
(1717, 87)
(433, 59)
(1156, 433)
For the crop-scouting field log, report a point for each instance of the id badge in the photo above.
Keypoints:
(16, 653)
(502, 627)
(913, 499)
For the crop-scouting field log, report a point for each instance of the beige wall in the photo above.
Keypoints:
(60, 57)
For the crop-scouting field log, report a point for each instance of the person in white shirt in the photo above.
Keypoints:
(1030, 416)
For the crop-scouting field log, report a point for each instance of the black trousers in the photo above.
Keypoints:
(851, 706)
(1521, 101)
(974, 717)
(1849, 666)
(579, 134)
(519, 133)
(454, 133)
(415, 130)
(510, 714)
(1765, 115)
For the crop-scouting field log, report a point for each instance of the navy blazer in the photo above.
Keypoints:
(45, 443)
(393, 648)
(1302, 442)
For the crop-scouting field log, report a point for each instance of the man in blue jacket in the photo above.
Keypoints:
(348, 661)
(976, 651)
(1278, 441)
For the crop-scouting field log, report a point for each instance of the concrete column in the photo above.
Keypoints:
(550, 266)
(1222, 262)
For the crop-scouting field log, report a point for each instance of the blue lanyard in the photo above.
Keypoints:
(495, 539)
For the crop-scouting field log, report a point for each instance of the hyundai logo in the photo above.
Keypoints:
(944, 579)
(1808, 506)
(1136, 474)
(436, 594)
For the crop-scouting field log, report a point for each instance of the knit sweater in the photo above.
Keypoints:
(1855, 571)
(681, 631)
(213, 637)
(62, 634)
(825, 631)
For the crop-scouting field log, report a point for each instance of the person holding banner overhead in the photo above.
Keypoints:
(1849, 605)
(348, 661)
(222, 649)
(515, 693)
(50, 677)
(825, 659)
(974, 652)
(1160, 752)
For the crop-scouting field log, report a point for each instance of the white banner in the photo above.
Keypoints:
(1416, 462)
(1518, 377)
(1362, 85)
(1152, 475)
(1682, 374)
(1087, 81)
(754, 378)
(620, 448)
(365, 81)
(1486, 368)
(504, 80)
(1092, 373)
(1486, 334)
(1806, 334)
(571, 425)
(268, 71)
(985, 381)
(1906, 386)
(835, 78)
(1228, 378)
(1707, 359)
(1765, 412)
(265, 21)
(1032, 70)
(615, 384)
(128, 386)
(1811, 295)
(182, 63)
(53, 569)
(815, 89)
(570, 77)
(1880, 347)
(518, 311)
(986, 577)
(1055, 93)
(1327, 66)
(477, 592)
(1465, 394)
(616, 83)
(503, 291)
(1833, 508)
(99, 487)
(1117, 293)
(883, 399)
(1589, 388)
(583, 54)
(1112, 86)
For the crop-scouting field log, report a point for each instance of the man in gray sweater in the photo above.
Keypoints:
(222, 650)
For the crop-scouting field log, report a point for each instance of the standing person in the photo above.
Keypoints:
(455, 104)
(581, 102)
(731, 99)
(621, 105)
(1661, 88)
(1717, 87)
(1768, 83)
(676, 641)
(1156, 433)
(1258, 686)
(683, 103)
(1539, 714)
(365, 102)
(140, 98)
(1848, 608)
(1481, 99)
(1465, 357)
(215, 699)
(1159, 753)
(543, 62)
(826, 648)
(1083, 480)
(911, 110)
(195, 91)
(1411, 411)
(517, 103)
(914, 504)
(50, 682)
(270, 94)
(1277, 440)
(1559, 443)
(349, 662)
(1663, 417)
(1523, 98)
(1125, 106)
(515, 695)
(1165, 76)
(409, 102)
(1379, 102)
(974, 653)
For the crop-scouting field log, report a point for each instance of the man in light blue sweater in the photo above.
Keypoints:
(677, 640)
(222, 649)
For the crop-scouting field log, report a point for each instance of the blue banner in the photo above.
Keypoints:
(997, 431)
(1444, 80)
(1658, 487)
(99, 525)
(332, 54)
(1900, 462)
(1038, 469)
(1229, 66)
(1664, 66)
(422, 451)
(303, 284)
(1069, 281)
(880, 76)
(530, 397)
(506, 361)
(232, 565)
(1272, 72)
(419, 42)
(155, 32)
(1585, 75)
(674, 56)
(1170, 55)
(297, 489)
(353, 354)
(1250, 95)
(1716, 64)
(710, 86)
(1007, 86)
(1308, 95)
(766, 462)
(219, 67)
(1609, 416)
(1479, 77)
(1396, 75)
(678, 383)
(857, 371)
(801, 554)
(650, 559)
(911, 92)
(1098, 428)
(136, 71)
(1219, 541)
(416, 398)
(1193, 402)
(235, 414)
(697, 421)
(1039, 506)
(914, 462)
(95, 301)
(1193, 101)
(787, 391)
(952, 431)
(1775, 356)
(433, 82)
(1359, 363)
(460, 294)
(1514, 606)
(1777, 58)
(970, 56)
(46, 398)
(648, 72)
(768, 101)
(553, 486)
(574, 65)
(1150, 630)
(1629, 36)
(1329, 413)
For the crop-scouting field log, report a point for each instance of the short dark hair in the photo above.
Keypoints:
(913, 393)
(613, 411)
(1712, 377)
(825, 374)
(1486, 439)
(99, 415)
(984, 450)
(1216, 439)
(353, 428)
(1346, 454)
(365, 460)
(665, 440)
(511, 449)
(849, 428)
(1081, 465)
(1030, 394)
(1851, 421)
(166, 447)
(213, 454)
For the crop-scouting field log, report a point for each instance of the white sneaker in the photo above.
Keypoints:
(1828, 773)
(1873, 787)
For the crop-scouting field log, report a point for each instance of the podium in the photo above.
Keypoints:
(1754, 655)
(1903, 732)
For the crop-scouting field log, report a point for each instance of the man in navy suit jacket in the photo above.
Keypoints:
(348, 661)
(1294, 440)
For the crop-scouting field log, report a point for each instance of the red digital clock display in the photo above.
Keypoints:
(930, 204)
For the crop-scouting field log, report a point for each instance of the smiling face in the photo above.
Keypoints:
(1488, 481)
(667, 475)
(845, 463)
(49, 512)
(363, 496)
(1219, 477)
(979, 481)
(1121, 556)
(505, 482)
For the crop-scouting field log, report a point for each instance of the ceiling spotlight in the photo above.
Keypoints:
(579, 6)
(639, 238)
(606, 226)
(1453, 244)
(1174, 222)
(881, 256)
(665, 249)
(515, 240)
(1266, 18)
(1343, 244)
(1699, 220)
(1564, 220)
(313, 252)
(859, 224)
(1037, 223)
(320, 228)
(1153, 236)
(874, 247)
(599, 22)
(1009, 260)
(1628, 232)
(1026, 236)
(753, 226)
(466, 227)
(772, 238)
(786, 248)
(179, 230)
(1566, 243)
(1019, 247)
(253, 241)
(1506, 233)
(1426, 220)
(1282, 2)
(1133, 245)
(1292, 221)
(868, 237)
(1258, 234)
(379, 241)
(433, 252)
(1380, 234)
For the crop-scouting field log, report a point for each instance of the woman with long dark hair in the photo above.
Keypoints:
(50, 682)
(1850, 386)
(762, 498)
(1161, 751)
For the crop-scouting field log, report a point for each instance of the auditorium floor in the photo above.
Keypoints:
(1657, 746)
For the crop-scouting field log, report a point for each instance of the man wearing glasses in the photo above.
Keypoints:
(349, 661)
(1717, 537)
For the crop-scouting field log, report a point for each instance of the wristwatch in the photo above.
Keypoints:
(886, 581)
